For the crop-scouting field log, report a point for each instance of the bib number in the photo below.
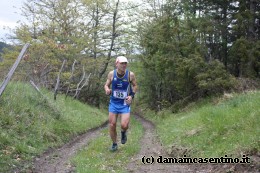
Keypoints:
(120, 94)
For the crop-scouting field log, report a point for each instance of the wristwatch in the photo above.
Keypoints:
(132, 95)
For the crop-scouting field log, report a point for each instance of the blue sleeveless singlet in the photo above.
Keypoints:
(120, 90)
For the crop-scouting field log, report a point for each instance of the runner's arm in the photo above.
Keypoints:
(129, 98)
(108, 83)
(133, 82)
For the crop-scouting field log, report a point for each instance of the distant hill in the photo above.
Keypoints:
(2, 46)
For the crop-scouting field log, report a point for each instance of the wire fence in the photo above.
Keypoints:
(38, 75)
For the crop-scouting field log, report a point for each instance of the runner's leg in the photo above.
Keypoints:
(112, 126)
(125, 118)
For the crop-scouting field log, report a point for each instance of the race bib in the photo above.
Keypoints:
(120, 94)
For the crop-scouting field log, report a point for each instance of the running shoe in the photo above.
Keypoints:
(123, 137)
(114, 147)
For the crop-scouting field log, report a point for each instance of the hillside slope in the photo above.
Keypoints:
(31, 123)
(228, 125)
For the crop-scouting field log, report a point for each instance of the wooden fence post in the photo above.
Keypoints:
(11, 72)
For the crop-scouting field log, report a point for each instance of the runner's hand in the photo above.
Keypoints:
(108, 91)
(128, 100)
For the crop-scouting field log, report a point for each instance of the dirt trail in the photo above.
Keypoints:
(57, 161)
(150, 146)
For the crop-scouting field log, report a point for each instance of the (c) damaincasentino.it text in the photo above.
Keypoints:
(150, 160)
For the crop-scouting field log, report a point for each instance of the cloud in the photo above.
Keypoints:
(5, 24)
(9, 16)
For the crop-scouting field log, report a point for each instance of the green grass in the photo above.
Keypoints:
(228, 127)
(29, 123)
(96, 157)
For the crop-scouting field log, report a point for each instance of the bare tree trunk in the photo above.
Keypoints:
(252, 35)
(225, 35)
(58, 80)
(251, 31)
(72, 72)
(114, 35)
(80, 88)
(96, 24)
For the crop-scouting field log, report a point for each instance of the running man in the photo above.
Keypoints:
(122, 93)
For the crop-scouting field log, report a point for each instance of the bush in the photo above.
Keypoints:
(214, 78)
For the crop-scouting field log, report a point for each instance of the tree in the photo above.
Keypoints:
(87, 31)
(178, 66)
(244, 60)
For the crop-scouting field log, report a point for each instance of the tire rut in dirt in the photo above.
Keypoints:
(151, 147)
(57, 160)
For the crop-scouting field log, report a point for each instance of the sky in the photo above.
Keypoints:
(9, 16)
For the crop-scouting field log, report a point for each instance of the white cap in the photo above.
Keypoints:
(121, 59)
